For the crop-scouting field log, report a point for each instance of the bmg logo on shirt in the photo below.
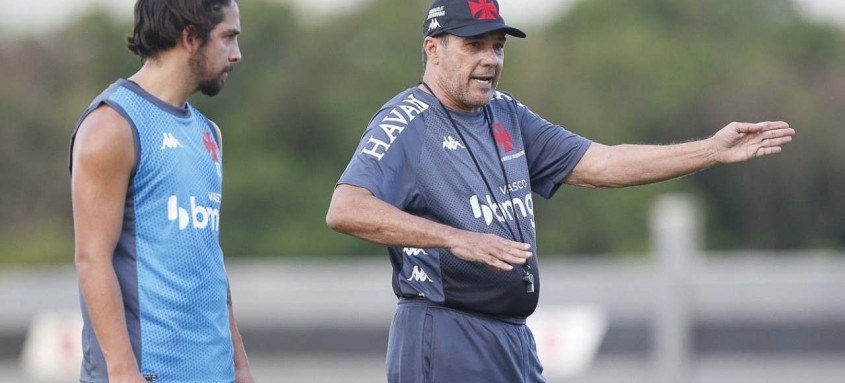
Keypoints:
(510, 209)
(200, 217)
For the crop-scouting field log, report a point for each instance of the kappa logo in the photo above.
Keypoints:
(200, 217)
(170, 142)
(414, 252)
(433, 25)
(419, 275)
(452, 144)
(483, 10)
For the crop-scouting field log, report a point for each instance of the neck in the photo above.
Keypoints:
(165, 81)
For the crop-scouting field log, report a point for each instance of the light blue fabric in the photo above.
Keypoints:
(169, 261)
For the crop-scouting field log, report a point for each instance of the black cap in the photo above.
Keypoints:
(466, 18)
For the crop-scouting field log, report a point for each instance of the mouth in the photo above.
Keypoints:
(485, 80)
(225, 74)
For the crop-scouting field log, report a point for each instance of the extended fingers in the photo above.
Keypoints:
(491, 250)
(507, 252)
(496, 264)
(767, 151)
(743, 127)
(518, 250)
(776, 141)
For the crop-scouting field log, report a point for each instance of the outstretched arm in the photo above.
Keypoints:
(628, 165)
(355, 211)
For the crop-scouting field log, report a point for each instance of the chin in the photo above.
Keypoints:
(211, 89)
(483, 100)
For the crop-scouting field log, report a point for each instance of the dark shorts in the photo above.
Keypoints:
(434, 344)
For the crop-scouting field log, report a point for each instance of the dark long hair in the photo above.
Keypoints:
(159, 23)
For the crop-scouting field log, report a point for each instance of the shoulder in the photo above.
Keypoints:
(398, 123)
(215, 129)
(104, 123)
(105, 136)
(504, 99)
(405, 107)
(407, 110)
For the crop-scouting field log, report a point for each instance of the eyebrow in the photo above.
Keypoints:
(232, 32)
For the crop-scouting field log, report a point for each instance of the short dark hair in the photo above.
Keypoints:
(159, 23)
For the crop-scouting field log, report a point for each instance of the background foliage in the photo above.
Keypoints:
(651, 71)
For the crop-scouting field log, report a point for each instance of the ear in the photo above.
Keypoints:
(431, 46)
(189, 40)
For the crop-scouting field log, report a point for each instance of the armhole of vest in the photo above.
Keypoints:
(135, 136)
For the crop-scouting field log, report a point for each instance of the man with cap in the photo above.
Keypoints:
(444, 176)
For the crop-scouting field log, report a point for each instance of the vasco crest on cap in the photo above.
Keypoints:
(466, 18)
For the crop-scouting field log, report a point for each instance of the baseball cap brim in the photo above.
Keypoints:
(478, 29)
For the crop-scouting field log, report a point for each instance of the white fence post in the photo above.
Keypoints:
(676, 232)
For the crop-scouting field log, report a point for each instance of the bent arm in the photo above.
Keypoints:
(357, 212)
(103, 158)
(628, 165)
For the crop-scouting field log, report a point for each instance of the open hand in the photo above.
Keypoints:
(491, 250)
(740, 141)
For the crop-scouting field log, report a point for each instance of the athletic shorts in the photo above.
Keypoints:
(429, 343)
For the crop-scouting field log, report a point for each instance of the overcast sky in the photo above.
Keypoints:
(34, 15)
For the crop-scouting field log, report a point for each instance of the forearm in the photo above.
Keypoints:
(104, 302)
(644, 164)
(355, 211)
(366, 217)
(629, 165)
(241, 360)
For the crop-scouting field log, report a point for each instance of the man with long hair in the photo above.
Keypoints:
(146, 177)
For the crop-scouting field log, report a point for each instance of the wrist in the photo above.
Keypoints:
(449, 237)
(711, 150)
(122, 362)
(122, 368)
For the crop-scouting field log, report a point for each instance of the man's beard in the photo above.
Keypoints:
(463, 95)
(207, 83)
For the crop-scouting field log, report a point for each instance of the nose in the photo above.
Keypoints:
(490, 57)
(235, 54)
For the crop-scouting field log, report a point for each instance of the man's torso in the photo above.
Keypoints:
(168, 259)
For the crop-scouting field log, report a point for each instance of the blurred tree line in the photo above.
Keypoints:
(650, 71)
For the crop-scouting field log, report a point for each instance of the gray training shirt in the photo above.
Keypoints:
(411, 157)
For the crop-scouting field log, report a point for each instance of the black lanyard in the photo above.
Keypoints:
(528, 276)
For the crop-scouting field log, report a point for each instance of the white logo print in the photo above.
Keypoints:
(419, 275)
(433, 25)
(436, 12)
(452, 144)
(201, 217)
(170, 142)
(414, 251)
(501, 211)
